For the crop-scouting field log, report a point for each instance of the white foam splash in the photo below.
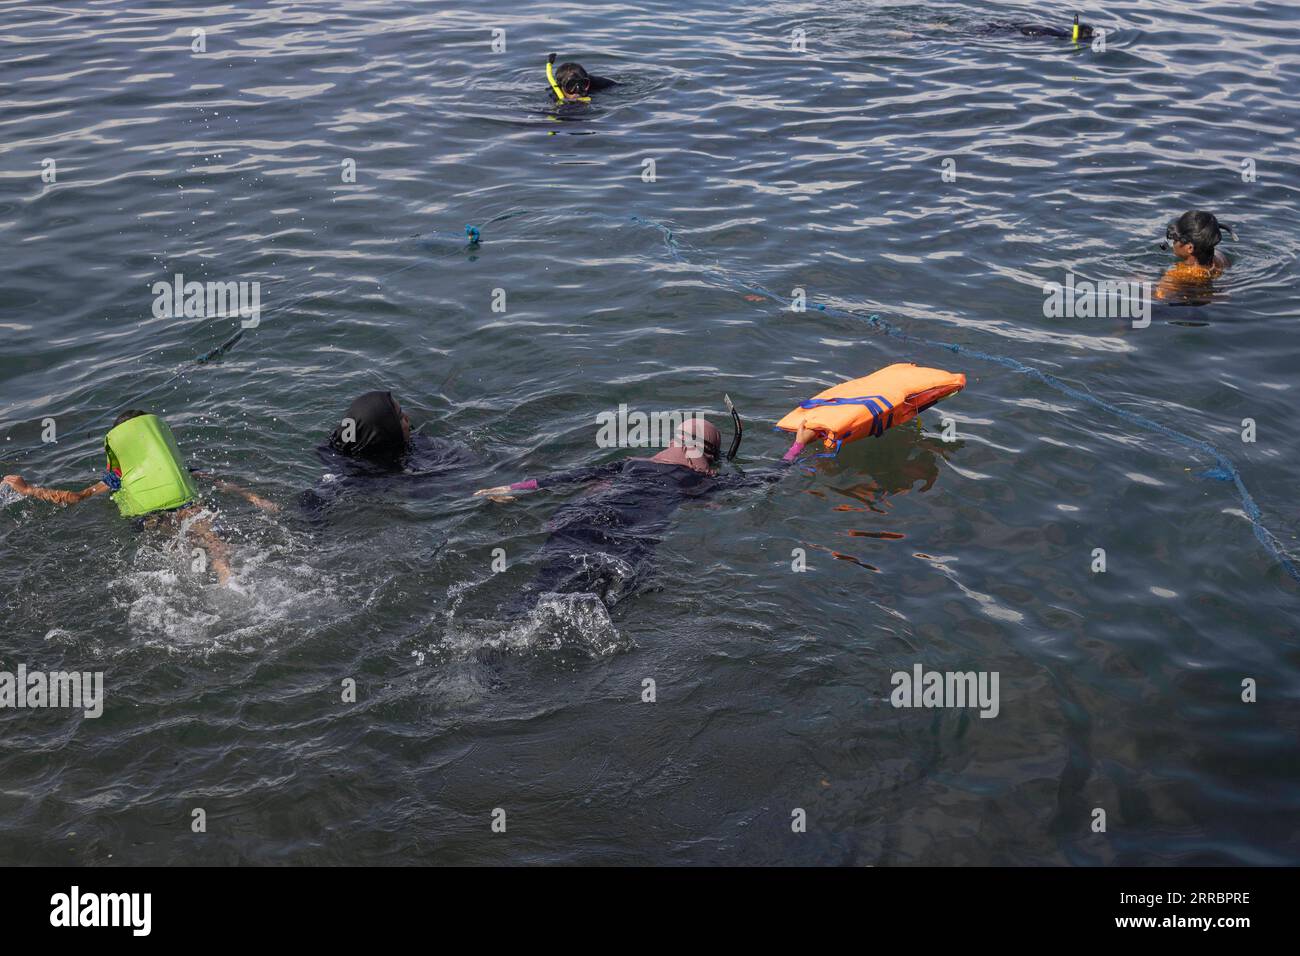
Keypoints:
(170, 606)
(557, 624)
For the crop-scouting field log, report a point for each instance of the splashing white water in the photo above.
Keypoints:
(556, 624)
(170, 605)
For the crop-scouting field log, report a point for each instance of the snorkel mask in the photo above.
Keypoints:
(1172, 235)
(555, 87)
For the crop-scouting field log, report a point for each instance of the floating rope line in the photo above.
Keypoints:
(1226, 470)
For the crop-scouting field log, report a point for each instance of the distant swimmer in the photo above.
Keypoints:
(372, 451)
(1078, 32)
(1193, 238)
(603, 542)
(148, 481)
(571, 83)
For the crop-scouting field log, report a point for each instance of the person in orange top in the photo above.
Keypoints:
(1193, 237)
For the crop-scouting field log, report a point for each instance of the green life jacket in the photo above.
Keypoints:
(153, 476)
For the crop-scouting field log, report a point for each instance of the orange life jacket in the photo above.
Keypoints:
(869, 405)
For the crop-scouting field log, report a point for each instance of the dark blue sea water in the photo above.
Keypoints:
(775, 169)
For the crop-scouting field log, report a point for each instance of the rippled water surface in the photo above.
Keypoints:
(774, 170)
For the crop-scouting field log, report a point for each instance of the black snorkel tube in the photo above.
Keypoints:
(739, 428)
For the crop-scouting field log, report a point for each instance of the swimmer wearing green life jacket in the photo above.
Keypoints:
(146, 478)
(571, 83)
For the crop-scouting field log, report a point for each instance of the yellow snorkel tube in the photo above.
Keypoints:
(1074, 34)
(559, 93)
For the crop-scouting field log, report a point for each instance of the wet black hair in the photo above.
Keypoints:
(1202, 230)
(572, 79)
(127, 415)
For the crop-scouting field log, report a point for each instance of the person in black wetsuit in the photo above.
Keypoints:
(570, 81)
(372, 450)
(603, 543)
(1083, 35)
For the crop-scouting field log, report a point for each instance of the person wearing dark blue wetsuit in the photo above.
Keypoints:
(373, 452)
(603, 542)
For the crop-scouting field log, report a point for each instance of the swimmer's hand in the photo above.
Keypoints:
(501, 494)
(16, 482)
(805, 435)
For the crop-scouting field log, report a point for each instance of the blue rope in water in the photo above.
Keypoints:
(1226, 470)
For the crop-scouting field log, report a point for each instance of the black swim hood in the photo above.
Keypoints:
(378, 428)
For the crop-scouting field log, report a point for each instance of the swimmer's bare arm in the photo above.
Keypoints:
(588, 473)
(251, 497)
(217, 552)
(498, 493)
(56, 495)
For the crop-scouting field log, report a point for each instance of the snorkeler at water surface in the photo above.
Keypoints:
(1078, 32)
(571, 83)
(599, 541)
(1193, 237)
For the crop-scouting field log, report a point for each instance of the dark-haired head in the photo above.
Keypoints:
(572, 79)
(127, 415)
(1200, 231)
(374, 428)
